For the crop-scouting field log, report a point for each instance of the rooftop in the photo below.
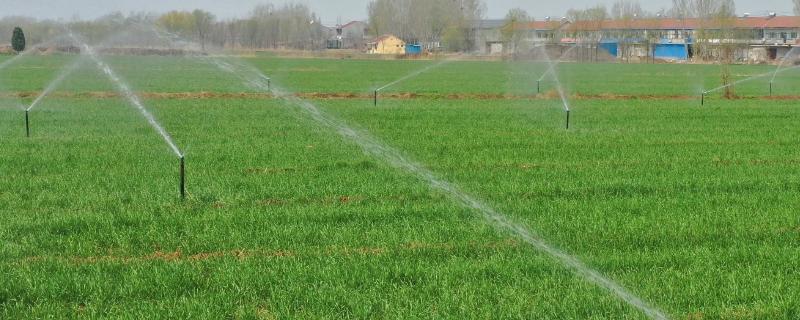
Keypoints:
(780, 22)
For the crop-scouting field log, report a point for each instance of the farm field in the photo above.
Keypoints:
(691, 208)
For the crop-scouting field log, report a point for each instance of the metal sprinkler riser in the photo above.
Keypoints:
(27, 124)
(183, 178)
(376, 98)
(568, 111)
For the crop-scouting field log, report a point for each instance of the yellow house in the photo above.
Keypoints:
(388, 44)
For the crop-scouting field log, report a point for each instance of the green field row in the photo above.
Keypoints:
(173, 74)
(691, 208)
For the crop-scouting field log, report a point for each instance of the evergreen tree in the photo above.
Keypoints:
(18, 40)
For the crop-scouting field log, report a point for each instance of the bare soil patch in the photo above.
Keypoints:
(392, 96)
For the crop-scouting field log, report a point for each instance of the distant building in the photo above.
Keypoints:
(543, 32)
(352, 35)
(488, 35)
(755, 39)
(488, 38)
(387, 44)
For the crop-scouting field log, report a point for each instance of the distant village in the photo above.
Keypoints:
(753, 39)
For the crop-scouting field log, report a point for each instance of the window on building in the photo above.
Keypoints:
(793, 35)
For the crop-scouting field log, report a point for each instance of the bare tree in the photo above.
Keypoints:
(203, 22)
(380, 17)
(587, 28)
(625, 12)
(587, 21)
(717, 21)
(626, 9)
(291, 26)
(725, 17)
(515, 30)
(681, 9)
(426, 21)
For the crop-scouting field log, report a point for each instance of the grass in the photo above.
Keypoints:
(693, 209)
(306, 75)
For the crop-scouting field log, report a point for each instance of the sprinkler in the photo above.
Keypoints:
(703, 98)
(567, 119)
(183, 178)
(538, 86)
(376, 98)
(770, 88)
(269, 81)
(27, 124)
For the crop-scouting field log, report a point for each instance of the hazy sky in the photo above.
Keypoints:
(329, 10)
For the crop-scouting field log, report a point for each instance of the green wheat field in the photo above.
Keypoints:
(694, 209)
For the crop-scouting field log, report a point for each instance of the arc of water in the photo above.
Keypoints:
(553, 66)
(130, 95)
(253, 77)
(758, 76)
(414, 74)
(780, 65)
(559, 87)
(56, 82)
(396, 159)
(16, 58)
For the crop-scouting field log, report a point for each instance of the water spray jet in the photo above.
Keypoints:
(409, 76)
(552, 65)
(137, 103)
(559, 87)
(397, 159)
(780, 68)
(758, 76)
(50, 87)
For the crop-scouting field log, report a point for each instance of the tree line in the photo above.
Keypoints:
(432, 23)
(437, 24)
(267, 26)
